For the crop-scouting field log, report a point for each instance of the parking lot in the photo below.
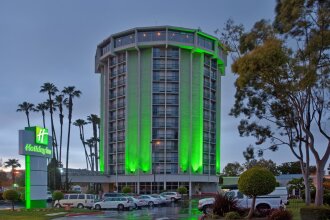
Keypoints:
(179, 210)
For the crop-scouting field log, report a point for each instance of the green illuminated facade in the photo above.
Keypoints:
(160, 108)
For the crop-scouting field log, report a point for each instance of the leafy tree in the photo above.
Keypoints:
(13, 163)
(233, 169)
(51, 90)
(268, 164)
(249, 153)
(126, 189)
(182, 190)
(71, 93)
(283, 91)
(42, 107)
(255, 182)
(10, 195)
(26, 107)
(54, 175)
(80, 123)
(3, 178)
(293, 168)
(57, 195)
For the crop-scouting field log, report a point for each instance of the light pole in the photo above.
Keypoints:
(157, 143)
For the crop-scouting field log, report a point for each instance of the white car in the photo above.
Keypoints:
(173, 196)
(138, 203)
(163, 199)
(120, 203)
(151, 201)
(76, 200)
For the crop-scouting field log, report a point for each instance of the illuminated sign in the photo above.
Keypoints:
(34, 141)
(41, 136)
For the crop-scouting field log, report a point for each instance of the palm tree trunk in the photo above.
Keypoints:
(95, 147)
(43, 119)
(27, 116)
(61, 137)
(68, 147)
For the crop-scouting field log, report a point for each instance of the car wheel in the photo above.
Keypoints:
(263, 207)
(97, 207)
(80, 206)
(57, 205)
(151, 204)
(173, 199)
(207, 209)
(136, 206)
(121, 207)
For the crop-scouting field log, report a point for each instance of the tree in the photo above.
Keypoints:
(71, 93)
(268, 164)
(233, 169)
(57, 195)
(283, 91)
(42, 107)
(26, 107)
(3, 178)
(59, 101)
(91, 144)
(255, 182)
(126, 189)
(95, 120)
(11, 195)
(54, 174)
(51, 90)
(80, 123)
(182, 190)
(293, 168)
(13, 163)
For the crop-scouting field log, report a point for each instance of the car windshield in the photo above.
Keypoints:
(155, 196)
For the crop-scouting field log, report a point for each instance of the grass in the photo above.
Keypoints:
(294, 206)
(38, 214)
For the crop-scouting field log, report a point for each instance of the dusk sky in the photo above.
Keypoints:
(55, 41)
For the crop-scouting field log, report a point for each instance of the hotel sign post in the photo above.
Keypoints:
(35, 144)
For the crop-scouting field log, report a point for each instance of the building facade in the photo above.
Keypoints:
(160, 108)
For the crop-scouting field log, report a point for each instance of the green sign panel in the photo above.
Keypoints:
(41, 136)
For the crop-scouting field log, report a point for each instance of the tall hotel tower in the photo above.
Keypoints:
(160, 109)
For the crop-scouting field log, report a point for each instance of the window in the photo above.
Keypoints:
(81, 196)
(73, 196)
(151, 36)
(124, 40)
(205, 42)
(66, 196)
(184, 37)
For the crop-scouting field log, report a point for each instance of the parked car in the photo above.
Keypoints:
(151, 201)
(281, 192)
(112, 194)
(138, 203)
(262, 202)
(164, 200)
(120, 203)
(76, 200)
(173, 196)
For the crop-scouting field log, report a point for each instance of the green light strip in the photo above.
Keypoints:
(131, 138)
(197, 113)
(27, 182)
(185, 105)
(218, 125)
(102, 121)
(145, 113)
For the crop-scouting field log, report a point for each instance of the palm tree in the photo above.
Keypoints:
(59, 103)
(51, 90)
(95, 120)
(25, 107)
(71, 92)
(42, 107)
(13, 163)
(80, 123)
(91, 144)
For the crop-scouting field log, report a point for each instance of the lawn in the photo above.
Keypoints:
(39, 214)
(294, 206)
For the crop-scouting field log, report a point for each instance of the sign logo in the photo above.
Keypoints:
(41, 136)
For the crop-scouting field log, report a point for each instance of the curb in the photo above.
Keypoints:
(86, 213)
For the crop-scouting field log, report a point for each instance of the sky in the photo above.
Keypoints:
(55, 41)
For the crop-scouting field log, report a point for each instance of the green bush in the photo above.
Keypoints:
(126, 189)
(224, 204)
(256, 181)
(57, 195)
(232, 215)
(326, 199)
(281, 215)
(11, 195)
(314, 213)
(182, 190)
